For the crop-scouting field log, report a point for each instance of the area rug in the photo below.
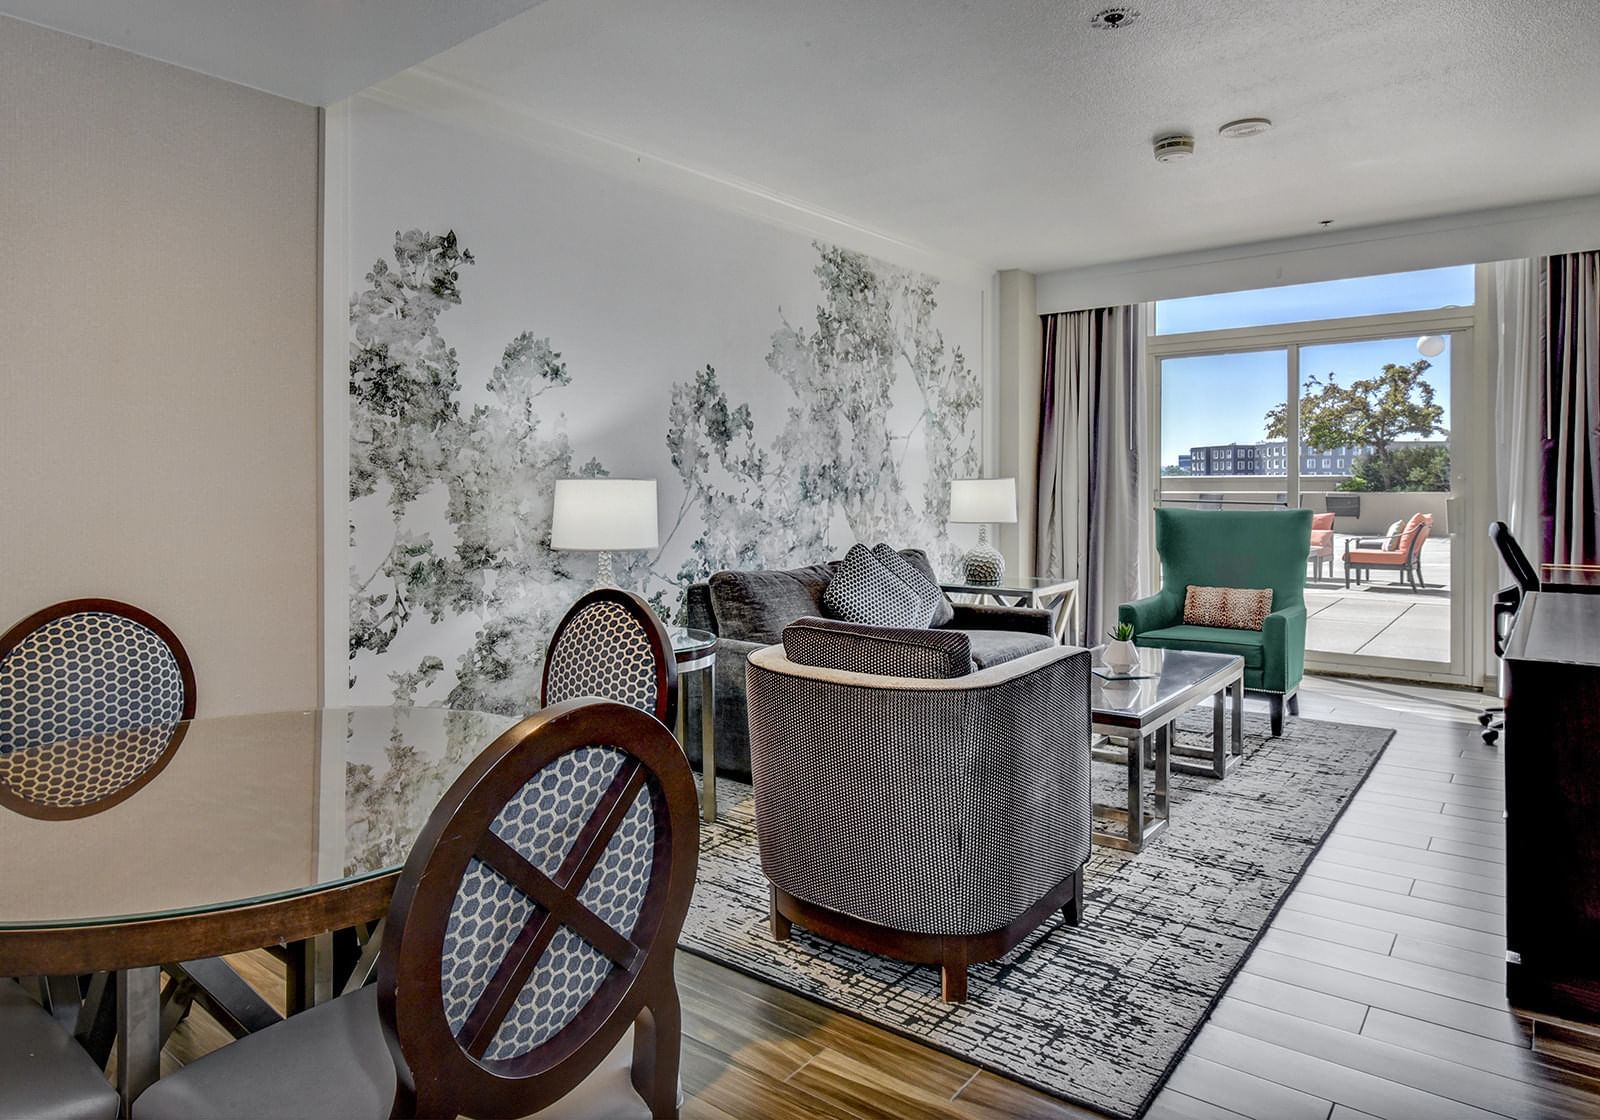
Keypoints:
(1100, 1013)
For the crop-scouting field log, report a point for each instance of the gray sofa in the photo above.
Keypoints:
(749, 610)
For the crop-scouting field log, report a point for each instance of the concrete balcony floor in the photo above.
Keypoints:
(1383, 617)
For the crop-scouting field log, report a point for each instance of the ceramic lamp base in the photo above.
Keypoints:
(983, 564)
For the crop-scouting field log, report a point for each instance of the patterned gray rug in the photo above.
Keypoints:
(1100, 1013)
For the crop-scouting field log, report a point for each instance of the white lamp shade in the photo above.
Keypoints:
(983, 500)
(605, 514)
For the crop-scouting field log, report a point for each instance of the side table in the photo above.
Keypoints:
(1058, 596)
(696, 654)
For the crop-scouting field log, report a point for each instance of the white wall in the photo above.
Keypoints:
(639, 289)
(158, 363)
(1485, 235)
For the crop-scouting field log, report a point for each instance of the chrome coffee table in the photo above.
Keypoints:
(1136, 718)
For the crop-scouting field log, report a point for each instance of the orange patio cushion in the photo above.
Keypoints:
(1375, 556)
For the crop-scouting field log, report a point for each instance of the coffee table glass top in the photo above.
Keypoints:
(1178, 677)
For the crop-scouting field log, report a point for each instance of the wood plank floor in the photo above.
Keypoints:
(1376, 992)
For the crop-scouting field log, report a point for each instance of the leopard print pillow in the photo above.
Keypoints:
(1236, 608)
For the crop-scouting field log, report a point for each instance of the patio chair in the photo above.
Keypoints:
(1321, 543)
(1362, 555)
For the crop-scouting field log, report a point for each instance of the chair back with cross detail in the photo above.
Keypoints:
(93, 695)
(538, 916)
(611, 644)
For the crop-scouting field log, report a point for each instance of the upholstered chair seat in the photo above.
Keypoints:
(44, 1073)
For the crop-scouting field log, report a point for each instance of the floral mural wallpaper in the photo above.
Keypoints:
(452, 469)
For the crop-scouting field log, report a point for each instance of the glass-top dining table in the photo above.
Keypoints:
(123, 852)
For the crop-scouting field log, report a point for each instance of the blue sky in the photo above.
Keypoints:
(1224, 398)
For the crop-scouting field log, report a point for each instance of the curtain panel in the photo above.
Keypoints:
(1569, 352)
(1517, 415)
(1092, 517)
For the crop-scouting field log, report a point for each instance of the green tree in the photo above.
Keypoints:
(1173, 471)
(1373, 413)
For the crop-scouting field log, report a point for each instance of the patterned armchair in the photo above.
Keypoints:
(909, 806)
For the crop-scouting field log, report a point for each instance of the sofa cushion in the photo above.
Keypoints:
(867, 589)
(1236, 608)
(756, 606)
(883, 651)
(995, 647)
(944, 612)
(1207, 639)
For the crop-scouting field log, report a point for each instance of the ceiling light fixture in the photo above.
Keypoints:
(1110, 19)
(1244, 128)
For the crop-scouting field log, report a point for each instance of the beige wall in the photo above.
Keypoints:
(158, 357)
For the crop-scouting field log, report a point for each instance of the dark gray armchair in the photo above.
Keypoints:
(748, 610)
(911, 807)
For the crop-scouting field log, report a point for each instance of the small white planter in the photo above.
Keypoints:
(1121, 656)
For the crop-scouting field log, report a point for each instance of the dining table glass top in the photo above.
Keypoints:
(216, 813)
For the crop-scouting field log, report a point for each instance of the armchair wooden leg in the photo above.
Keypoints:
(657, 1048)
(1294, 703)
(781, 926)
(953, 981)
(1073, 910)
(1276, 700)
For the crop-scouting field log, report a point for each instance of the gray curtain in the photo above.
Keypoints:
(1092, 513)
(1515, 314)
(1569, 351)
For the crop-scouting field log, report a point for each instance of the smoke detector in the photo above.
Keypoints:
(1110, 19)
(1169, 149)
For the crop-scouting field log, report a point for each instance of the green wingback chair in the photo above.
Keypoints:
(1228, 548)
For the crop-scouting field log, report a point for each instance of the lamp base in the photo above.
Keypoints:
(602, 571)
(983, 564)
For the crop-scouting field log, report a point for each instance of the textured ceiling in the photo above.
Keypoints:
(315, 51)
(1010, 133)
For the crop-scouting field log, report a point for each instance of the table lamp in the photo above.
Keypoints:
(605, 515)
(983, 501)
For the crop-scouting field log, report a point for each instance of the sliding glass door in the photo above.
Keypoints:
(1351, 418)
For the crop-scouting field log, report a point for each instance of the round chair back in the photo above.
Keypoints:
(93, 693)
(612, 645)
(538, 916)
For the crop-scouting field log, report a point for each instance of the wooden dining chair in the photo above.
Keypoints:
(93, 667)
(613, 645)
(533, 928)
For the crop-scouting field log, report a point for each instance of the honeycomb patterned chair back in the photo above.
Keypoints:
(92, 695)
(612, 645)
(538, 917)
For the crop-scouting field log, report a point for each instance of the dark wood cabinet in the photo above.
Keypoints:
(1552, 759)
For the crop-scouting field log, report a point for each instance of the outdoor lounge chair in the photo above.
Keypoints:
(1361, 556)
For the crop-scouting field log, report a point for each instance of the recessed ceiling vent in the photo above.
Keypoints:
(1110, 19)
(1169, 149)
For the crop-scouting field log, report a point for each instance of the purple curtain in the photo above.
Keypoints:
(1569, 361)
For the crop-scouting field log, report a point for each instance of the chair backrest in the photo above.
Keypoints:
(1424, 529)
(90, 667)
(1235, 548)
(1408, 543)
(612, 645)
(1321, 522)
(539, 913)
(1516, 561)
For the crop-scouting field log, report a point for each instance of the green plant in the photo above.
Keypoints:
(1121, 632)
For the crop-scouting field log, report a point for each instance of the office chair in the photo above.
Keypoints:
(1506, 603)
